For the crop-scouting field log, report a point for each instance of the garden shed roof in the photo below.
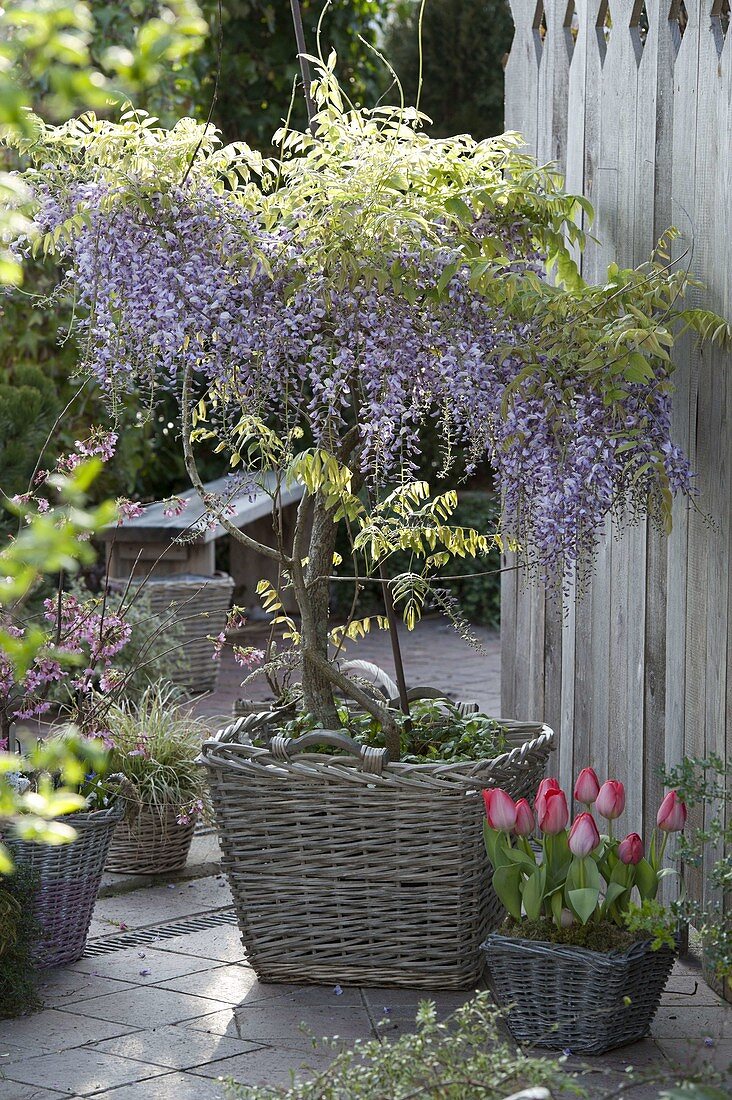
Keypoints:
(248, 504)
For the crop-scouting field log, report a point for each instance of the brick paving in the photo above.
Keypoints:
(433, 654)
(177, 1015)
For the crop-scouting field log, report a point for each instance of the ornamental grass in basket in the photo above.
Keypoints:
(154, 743)
(587, 949)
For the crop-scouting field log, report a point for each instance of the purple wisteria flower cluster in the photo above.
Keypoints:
(195, 279)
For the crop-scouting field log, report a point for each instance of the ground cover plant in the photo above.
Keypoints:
(312, 312)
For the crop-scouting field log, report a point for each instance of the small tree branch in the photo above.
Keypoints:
(197, 483)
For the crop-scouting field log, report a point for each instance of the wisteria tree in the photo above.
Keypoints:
(314, 313)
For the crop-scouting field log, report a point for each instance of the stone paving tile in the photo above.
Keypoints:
(160, 904)
(266, 1067)
(691, 1022)
(58, 988)
(274, 1025)
(58, 1029)
(126, 965)
(10, 1052)
(147, 1006)
(173, 1086)
(175, 1047)
(81, 1072)
(218, 944)
(238, 985)
(12, 1090)
(272, 1022)
(692, 1053)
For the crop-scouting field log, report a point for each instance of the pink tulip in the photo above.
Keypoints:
(672, 814)
(499, 809)
(610, 801)
(630, 850)
(545, 786)
(553, 815)
(587, 786)
(583, 836)
(524, 819)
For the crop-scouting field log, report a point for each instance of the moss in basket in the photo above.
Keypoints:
(602, 936)
(437, 732)
(155, 743)
(18, 934)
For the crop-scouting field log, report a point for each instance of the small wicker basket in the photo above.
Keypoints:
(352, 869)
(68, 877)
(150, 842)
(570, 998)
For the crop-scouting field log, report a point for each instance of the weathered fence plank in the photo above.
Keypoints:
(635, 105)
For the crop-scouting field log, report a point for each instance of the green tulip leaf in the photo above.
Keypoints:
(646, 880)
(515, 855)
(507, 884)
(622, 874)
(614, 891)
(533, 893)
(557, 903)
(496, 846)
(582, 874)
(583, 902)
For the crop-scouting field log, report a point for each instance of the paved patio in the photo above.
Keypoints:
(172, 1016)
(164, 1007)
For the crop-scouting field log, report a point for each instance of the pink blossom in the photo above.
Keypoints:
(587, 786)
(128, 509)
(545, 786)
(524, 818)
(248, 657)
(610, 801)
(174, 506)
(630, 850)
(554, 814)
(672, 813)
(583, 836)
(500, 809)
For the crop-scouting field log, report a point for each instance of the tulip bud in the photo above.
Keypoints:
(610, 800)
(553, 815)
(630, 850)
(545, 786)
(587, 786)
(672, 814)
(499, 809)
(524, 819)
(583, 836)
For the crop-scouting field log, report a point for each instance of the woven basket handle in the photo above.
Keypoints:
(372, 759)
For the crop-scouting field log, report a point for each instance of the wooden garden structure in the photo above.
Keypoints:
(633, 99)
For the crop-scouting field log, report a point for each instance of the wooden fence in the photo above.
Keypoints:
(634, 101)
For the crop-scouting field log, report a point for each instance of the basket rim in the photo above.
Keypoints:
(571, 952)
(224, 747)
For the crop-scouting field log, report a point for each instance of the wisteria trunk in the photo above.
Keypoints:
(317, 685)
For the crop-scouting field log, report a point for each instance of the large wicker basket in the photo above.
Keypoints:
(150, 842)
(570, 998)
(356, 870)
(68, 877)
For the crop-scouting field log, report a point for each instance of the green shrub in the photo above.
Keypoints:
(18, 932)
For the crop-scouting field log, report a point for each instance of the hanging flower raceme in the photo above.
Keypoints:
(374, 279)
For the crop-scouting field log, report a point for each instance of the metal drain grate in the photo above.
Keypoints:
(142, 937)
